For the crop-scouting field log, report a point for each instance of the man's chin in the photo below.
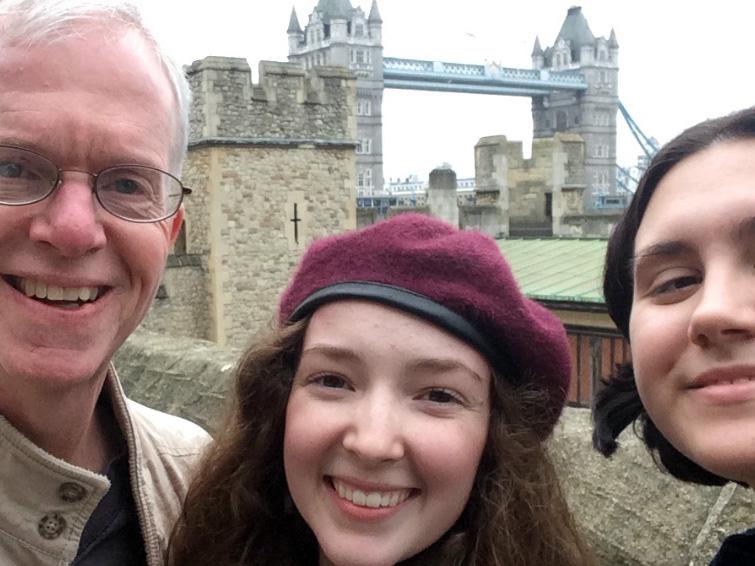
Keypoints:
(55, 370)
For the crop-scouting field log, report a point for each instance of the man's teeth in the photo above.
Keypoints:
(39, 290)
(374, 499)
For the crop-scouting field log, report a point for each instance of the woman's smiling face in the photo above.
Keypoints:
(692, 325)
(385, 427)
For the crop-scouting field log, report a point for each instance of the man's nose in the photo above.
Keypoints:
(375, 433)
(725, 311)
(69, 220)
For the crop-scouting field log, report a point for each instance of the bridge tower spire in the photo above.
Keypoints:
(591, 113)
(338, 33)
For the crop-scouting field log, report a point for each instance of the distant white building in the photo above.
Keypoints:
(409, 192)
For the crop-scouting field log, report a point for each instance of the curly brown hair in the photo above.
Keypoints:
(238, 510)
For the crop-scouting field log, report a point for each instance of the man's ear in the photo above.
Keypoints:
(175, 228)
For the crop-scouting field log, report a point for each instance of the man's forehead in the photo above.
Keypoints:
(85, 57)
(20, 30)
(103, 96)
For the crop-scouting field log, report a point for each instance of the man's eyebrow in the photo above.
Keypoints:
(669, 248)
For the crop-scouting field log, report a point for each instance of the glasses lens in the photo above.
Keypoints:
(139, 193)
(25, 177)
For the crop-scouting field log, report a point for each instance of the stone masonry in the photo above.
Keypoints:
(441, 195)
(272, 168)
(591, 113)
(539, 196)
(337, 33)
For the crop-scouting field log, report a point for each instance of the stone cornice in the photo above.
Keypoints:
(273, 142)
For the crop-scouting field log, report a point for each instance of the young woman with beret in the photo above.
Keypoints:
(396, 416)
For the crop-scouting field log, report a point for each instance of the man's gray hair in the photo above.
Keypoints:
(31, 22)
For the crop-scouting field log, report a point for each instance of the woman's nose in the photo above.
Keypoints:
(375, 433)
(725, 311)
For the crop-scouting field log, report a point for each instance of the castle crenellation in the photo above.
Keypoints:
(287, 104)
(272, 168)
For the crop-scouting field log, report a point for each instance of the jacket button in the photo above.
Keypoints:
(51, 526)
(71, 492)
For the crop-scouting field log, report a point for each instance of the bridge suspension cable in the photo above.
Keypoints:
(648, 144)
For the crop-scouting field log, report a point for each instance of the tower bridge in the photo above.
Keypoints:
(573, 84)
(413, 74)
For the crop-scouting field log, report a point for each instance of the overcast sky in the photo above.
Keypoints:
(679, 62)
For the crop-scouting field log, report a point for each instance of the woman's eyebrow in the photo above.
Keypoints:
(440, 365)
(332, 352)
(665, 249)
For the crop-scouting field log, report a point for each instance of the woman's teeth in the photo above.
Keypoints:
(373, 499)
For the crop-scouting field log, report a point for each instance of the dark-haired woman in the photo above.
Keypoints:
(396, 416)
(680, 285)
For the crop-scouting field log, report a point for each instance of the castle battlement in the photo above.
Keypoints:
(288, 105)
(271, 165)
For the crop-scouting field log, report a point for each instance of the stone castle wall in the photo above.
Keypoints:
(556, 164)
(514, 191)
(272, 168)
(287, 103)
(630, 512)
(181, 307)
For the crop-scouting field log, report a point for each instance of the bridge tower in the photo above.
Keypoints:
(591, 113)
(339, 34)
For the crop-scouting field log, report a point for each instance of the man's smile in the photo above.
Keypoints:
(54, 294)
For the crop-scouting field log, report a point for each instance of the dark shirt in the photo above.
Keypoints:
(736, 550)
(112, 535)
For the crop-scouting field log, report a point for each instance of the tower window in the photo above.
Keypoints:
(364, 146)
(364, 178)
(364, 107)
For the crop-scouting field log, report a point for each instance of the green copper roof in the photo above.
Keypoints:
(554, 269)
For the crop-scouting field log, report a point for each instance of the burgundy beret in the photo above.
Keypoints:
(454, 278)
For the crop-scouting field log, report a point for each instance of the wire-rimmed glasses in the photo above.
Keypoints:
(136, 193)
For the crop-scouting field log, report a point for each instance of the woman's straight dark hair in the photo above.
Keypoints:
(617, 404)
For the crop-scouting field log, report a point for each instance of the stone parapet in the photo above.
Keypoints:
(181, 376)
(287, 102)
(635, 515)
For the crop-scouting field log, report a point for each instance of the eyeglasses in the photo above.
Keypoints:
(136, 193)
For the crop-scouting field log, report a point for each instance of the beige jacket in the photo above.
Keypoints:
(45, 502)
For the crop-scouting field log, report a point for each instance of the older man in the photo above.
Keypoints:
(92, 136)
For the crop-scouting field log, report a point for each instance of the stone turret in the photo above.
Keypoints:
(343, 35)
(613, 45)
(336, 14)
(538, 57)
(295, 33)
(441, 194)
(334, 9)
(375, 22)
(272, 167)
(591, 113)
